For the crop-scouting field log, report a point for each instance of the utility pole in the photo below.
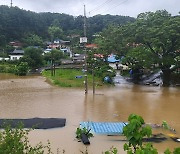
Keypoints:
(11, 3)
(85, 59)
(93, 80)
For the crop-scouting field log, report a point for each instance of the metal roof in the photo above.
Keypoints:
(112, 59)
(107, 128)
(18, 52)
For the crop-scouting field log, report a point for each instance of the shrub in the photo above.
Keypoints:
(134, 132)
(15, 141)
(80, 131)
(22, 69)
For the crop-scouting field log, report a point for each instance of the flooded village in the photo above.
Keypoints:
(89, 84)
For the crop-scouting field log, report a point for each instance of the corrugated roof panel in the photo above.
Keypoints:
(108, 128)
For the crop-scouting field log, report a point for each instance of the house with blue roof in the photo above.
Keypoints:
(113, 59)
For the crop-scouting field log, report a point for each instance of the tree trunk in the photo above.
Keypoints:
(136, 75)
(166, 76)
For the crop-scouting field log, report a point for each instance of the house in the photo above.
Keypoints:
(53, 46)
(47, 51)
(57, 41)
(16, 44)
(113, 59)
(78, 58)
(16, 54)
(67, 50)
(91, 46)
(61, 43)
(4, 59)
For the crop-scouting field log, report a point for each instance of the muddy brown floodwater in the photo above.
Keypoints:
(28, 97)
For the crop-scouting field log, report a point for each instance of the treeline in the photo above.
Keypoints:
(16, 23)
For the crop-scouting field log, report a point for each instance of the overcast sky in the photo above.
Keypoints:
(93, 7)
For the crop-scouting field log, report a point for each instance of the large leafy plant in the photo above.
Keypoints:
(80, 131)
(135, 131)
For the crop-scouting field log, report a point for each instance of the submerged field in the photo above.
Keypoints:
(71, 78)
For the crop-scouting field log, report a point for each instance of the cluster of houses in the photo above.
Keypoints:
(62, 46)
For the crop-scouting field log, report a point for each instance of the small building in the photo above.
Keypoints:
(47, 51)
(113, 59)
(67, 50)
(53, 46)
(61, 42)
(16, 44)
(57, 41)
(79, 58)
(16, 54)
(4, 59)
(91, 46)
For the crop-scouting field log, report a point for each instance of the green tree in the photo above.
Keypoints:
(55, 32)
(15, 141)
(16, 23)
(2, 40)
(54, 55)
(135, 132)
(22, 69)
(33, 56)
(33, 40)
(157, 32)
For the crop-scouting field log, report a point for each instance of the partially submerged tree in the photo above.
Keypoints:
(22, 69)
(157, 32)
(135, 132)
(33, 56)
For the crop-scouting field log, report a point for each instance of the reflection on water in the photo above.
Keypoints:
(32, 97)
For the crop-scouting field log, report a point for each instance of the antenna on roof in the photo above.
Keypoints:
(11, 3)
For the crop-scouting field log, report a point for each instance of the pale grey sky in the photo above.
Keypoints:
(93, 7)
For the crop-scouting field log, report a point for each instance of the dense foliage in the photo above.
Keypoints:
(99, 67)
(153, 34)
(135, 131)
(15, 141)
(17, 24)
(54, 57)
(80, 131)
(33, 56)
(22, 69)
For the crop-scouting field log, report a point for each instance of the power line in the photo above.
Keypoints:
(112, 8)
(100, 6)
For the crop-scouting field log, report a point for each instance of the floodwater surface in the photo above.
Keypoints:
(32, 96)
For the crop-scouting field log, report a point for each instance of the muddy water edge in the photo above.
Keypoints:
(32, 96)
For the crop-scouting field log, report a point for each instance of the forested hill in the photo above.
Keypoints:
(16, 23)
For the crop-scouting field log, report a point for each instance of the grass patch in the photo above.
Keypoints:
(7, 68)
(67, 78)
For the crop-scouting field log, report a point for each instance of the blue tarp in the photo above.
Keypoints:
(106, 128)
(112, 59)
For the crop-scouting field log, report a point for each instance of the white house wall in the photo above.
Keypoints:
(15, 57)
